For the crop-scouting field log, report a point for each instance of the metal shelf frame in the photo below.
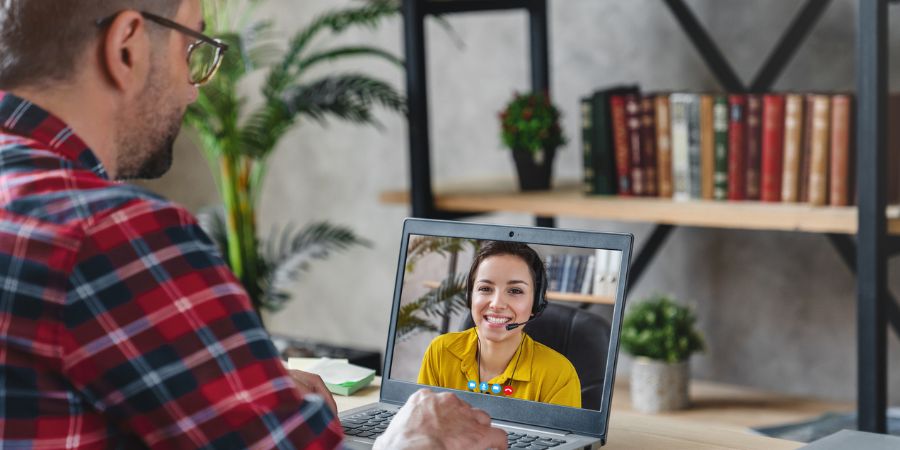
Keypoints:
(866, 256)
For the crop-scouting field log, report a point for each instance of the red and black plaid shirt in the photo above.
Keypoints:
(120, 325)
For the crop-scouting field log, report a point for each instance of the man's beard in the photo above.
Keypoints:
(144, 143)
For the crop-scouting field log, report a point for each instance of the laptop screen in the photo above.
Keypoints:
(506, 319)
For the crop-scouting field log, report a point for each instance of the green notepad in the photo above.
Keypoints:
(350, 387)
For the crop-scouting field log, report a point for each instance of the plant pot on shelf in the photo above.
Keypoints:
(658, 386)
(534, 169)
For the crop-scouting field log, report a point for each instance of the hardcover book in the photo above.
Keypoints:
(623, 150)
(793, 131)
(663, 146)
(633, 109)
(603, 142)
(818, 169)
(720, 130)
(806, 149)
(840, 179)
(587, 133)
(753, 146)
(707, 147)
(737, 147)
(679, 106)
(648, 145)
(772, 147)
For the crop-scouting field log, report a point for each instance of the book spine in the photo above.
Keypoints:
(633, 109)
(623, 150)
(681, 176)
(793, 133)
(893, 152)
(707, 147)
(564, 276)
(841, 108)
(663, 146)
(737, 150)
(818, 169)
(772, 147)
(587, 137)
(587, 280)
(720, 128)
(648, 145)
(806, 149)
(753, 146)
(694, 143)
(603, 146)
(600, 271)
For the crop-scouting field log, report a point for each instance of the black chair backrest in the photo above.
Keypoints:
(580, 336)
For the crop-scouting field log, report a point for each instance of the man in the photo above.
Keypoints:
(120, 326)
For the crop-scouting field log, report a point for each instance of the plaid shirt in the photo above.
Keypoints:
(120, 325)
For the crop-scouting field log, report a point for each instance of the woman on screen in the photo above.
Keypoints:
(505, 289)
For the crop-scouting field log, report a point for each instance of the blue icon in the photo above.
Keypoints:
(472, 385)
(484, 387)
(496, 388)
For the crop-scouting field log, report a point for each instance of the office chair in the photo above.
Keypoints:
(579, 335)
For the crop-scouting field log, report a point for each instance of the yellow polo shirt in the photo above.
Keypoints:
(542, 374)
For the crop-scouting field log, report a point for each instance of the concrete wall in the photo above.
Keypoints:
(777, 308)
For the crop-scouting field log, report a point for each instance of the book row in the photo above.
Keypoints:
(773, 147)
(586, 274)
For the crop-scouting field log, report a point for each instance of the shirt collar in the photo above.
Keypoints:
(466, 348)
(23, 118)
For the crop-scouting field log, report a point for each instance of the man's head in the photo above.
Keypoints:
(108, 54)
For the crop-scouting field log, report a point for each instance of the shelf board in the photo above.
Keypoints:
(568, 200)
(556, 296)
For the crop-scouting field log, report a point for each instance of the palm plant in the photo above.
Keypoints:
(237, 142)
(443, 301)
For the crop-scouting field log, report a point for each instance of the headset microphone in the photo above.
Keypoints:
(513, 326)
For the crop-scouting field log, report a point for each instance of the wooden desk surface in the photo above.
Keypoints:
(630, 430)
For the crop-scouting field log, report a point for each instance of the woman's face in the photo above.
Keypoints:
(502, 294)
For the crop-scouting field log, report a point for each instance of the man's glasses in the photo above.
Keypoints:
(204, 56)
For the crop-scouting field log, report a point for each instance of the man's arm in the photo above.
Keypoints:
(162, 340)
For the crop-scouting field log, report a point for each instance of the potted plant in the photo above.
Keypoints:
(237, 136)
(661, 335)
(530, 128)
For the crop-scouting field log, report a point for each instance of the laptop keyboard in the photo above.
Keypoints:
(367, 424)
(370, 424)
(531, 442)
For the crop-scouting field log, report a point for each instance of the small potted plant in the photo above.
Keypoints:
(660, 334)
(530, 128)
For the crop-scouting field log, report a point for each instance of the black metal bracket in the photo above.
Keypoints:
(846, 249)
(461, 6)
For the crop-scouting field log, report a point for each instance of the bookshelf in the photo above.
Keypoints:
(871, 222)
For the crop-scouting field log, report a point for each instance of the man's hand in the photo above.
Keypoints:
(440, 421)
(310, 383)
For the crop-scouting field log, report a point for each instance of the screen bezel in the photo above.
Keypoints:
(577, 420)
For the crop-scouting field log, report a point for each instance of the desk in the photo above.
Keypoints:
(629, 430)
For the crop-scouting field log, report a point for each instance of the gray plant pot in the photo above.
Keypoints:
(658, 386)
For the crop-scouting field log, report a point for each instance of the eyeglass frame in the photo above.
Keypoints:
(220, 46)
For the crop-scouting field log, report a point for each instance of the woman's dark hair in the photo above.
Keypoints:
(524, 252)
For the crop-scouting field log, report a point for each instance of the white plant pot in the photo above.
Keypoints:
(658, 386)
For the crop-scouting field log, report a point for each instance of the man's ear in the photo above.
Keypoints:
(125, 56)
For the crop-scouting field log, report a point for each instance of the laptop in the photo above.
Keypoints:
(433, 271)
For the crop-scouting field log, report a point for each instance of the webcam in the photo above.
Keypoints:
(512, 233)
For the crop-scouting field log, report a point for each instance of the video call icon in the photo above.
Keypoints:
(496, 388)
(472, 385)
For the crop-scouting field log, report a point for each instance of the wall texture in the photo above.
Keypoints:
(777, 308)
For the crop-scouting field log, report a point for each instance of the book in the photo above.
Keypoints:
(694, 143)
(621, 144)
(603, 141)
(636, 149)
(663, 146)
(601, 257)
(793, 133)
(806, 149)
(587, 138)
(772, 147)
(720, 130)
(707, 147)
(587, 281)
(648, 144)
(753, 146)
(679, 107)
(737, 147)
(839, 176)
(819, 156)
